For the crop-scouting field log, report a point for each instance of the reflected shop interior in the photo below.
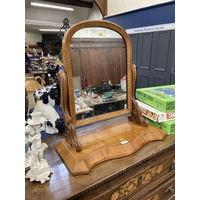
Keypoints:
(99, 68)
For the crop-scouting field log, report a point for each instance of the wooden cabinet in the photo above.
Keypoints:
(148, 174)
(157, 181)
(151, 179)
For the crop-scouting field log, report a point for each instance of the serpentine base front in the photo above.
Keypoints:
(105, 144)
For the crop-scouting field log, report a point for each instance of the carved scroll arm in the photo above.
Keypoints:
(136, 113)
(71, 136)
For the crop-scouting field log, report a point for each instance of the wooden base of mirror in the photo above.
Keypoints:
(103, 144)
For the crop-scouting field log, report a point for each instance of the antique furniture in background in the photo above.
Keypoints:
(81, 154)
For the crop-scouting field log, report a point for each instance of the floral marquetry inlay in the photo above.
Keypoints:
(125, 189)
(132, 184)
(149, 174)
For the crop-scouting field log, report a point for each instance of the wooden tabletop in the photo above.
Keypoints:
(63, 185)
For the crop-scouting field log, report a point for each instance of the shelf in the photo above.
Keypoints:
(34, 46)
(39, 49)
(33, 53)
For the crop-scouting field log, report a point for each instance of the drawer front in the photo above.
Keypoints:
(165, 191)
(148, 175)
(133, 180)
(161, 189)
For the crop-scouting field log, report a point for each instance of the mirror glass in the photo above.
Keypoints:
(99, 72)
(98, 80)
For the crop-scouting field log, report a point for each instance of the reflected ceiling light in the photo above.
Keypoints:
(50, 29)
(51, 5)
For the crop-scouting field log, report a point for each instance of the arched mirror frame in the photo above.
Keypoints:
(68, 69)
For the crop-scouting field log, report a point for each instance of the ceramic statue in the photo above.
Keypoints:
(28, 155)
(49, 113)
(45, 102)
(39, 168)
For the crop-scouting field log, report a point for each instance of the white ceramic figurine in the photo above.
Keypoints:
(39, 168)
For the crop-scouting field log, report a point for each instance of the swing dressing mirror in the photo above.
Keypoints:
(98, 73)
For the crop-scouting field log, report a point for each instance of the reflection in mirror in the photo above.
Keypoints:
(99, 69)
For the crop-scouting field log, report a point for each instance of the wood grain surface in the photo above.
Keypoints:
(63, 185)
(106, 143)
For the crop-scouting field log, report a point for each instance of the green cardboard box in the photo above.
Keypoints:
(168, 127)
(160, 97)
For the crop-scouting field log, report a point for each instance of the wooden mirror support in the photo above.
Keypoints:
(80, 152)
